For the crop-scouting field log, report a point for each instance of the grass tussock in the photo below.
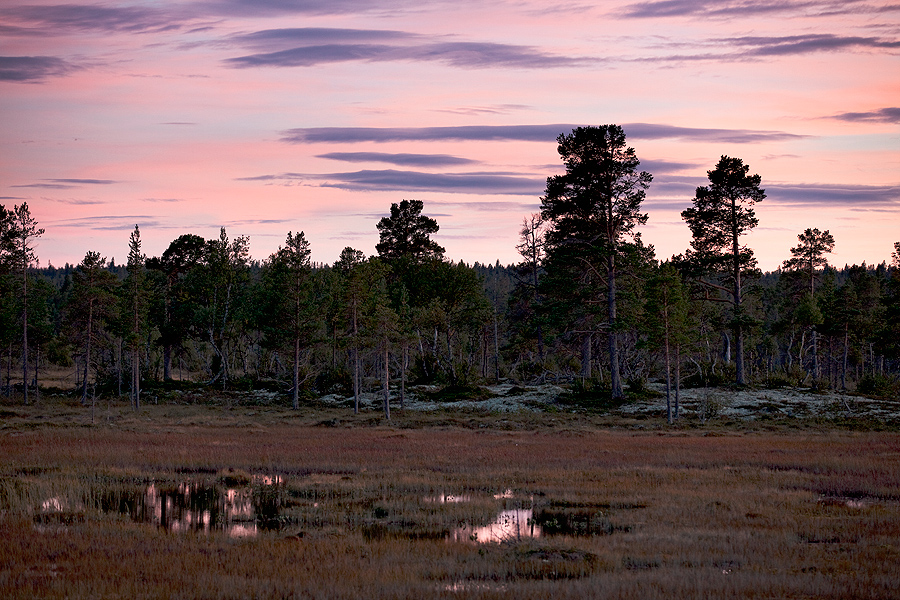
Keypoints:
(372, 510)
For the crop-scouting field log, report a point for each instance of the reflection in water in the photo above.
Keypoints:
(448, 499)
(191, 506)
(513, 524)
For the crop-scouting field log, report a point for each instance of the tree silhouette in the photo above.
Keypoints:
(175, 317)
(92, 304)
(808, 255)
(721, 214)
(666, 312)
(592, 211)
(136, 297)
(21, 234)
(293, 308)
(406, 234)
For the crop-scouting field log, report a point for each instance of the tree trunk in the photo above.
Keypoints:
(387, 392)
(815, 359)
(668, 378)
(9, 371)
(740, 378)
(119, 367)
(296, 398)
(37, 389)
(25, 331)
(404, 364)
(586, 359)
(167, 362)
(496, 348)
(677, 377)
(615, 380)
(167, 347)
(355, 363)
(844, 359)
(726, 348)
(136, 376)
(87, 355)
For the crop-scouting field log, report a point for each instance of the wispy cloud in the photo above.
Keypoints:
(75, 201)
(665, 166)
(111, 222)
(283, 39)
(499, 109)
(53, 19)
(847, 196)
(489, 206)
(742, 8)
(805, 44)
(456, 54)
(528, 133)
(401, 159)
(882, 115)
(33, 69)
(263, 8)
(417, 181)
(65, 184)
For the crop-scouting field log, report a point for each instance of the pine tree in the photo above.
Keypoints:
(91, 306)
(666, 311)
(21, 236)
(136, 296)
(721, 213)
(591, 213)
(808, 256)
(293, 307)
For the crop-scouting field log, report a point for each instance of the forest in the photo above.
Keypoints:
(589, 305)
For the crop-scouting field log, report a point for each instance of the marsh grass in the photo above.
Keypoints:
(361, 509)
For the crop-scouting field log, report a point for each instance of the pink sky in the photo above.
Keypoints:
(269, 116)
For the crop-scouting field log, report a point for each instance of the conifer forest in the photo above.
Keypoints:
(590, 305)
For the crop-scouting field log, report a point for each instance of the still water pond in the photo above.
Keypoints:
(259, 504)
(238, 511)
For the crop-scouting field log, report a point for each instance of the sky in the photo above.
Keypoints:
(274, 116)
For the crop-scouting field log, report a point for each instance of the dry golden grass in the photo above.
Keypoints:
(681, 513)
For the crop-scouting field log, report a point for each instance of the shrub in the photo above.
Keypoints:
(882, 386)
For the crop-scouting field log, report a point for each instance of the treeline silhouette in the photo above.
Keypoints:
(589, 305)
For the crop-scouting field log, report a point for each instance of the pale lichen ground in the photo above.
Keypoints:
(704, 403)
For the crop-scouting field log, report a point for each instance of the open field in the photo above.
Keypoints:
(254, 501)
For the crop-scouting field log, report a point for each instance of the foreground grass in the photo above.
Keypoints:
(725, 512)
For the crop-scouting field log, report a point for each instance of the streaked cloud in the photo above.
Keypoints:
(525, 133)
(75, 201)
(417, 181)
(282, 39)
(664, 166)
(112, 222)
(845, 196)
(33, 69)
(264, 8)
(490, 206)
(401, 159)
(455, 54)
(882, 115)
(805, 44)
(53, 19)
(742, 8)
(500, 109)
(65, 184)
